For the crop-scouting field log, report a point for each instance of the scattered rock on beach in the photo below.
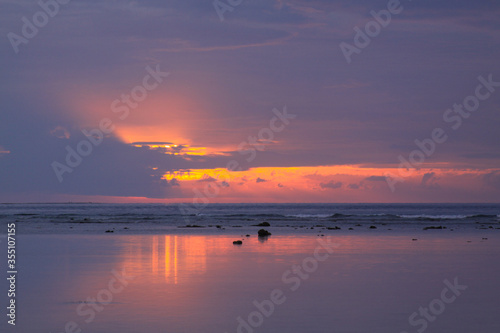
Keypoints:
(334, 228)
(373, 227)
(263, 233)
(432, 227)
(109, 231)
(237, 242)
(263, 224)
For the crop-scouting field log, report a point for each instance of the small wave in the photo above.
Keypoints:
(244, 215)
(435, 217)
(339, 215)
(309, 215)
(448, 217)
(383, 215)
(481, 216)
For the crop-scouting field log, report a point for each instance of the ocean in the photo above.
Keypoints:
(134, 268)
(48, 217)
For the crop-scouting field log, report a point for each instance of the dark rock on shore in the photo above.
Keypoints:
(373, 227)
(433, 227)
(334, 228)
(263, 224)
(263, 233)
(237, 242)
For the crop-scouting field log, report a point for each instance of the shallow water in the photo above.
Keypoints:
(160, 218)
(204, 283)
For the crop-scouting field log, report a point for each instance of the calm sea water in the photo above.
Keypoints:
(203, 283)
(189, 282)
(148, 215)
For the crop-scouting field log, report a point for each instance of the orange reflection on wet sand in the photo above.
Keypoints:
(184, 259)
(186, 283)
(165, 255)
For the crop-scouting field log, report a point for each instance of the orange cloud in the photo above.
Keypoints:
(323, 184)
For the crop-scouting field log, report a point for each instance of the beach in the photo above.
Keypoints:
(194, 281)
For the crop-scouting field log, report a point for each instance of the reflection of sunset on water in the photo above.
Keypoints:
(177, 259)
(202, 283)
(170, 256)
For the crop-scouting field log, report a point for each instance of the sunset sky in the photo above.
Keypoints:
(261, 106)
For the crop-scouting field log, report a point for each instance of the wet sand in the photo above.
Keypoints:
(371, 281)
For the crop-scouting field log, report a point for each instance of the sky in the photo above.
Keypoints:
(250, 101)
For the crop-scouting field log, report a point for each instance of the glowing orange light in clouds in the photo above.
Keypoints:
(288, 175)
(168, 121)
(314, 184)
(321, 184)
(167, 114)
